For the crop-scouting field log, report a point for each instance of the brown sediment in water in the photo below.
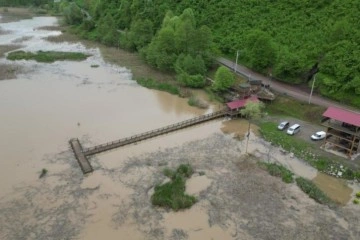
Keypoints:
(120, 57)
(239, 127)
(335, 188)
(9, 71)
(10, 14)
(3, 31)
(7, 48)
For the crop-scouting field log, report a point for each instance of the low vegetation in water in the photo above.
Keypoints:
(279, 171)
(172, 194)
(194, 101)
(313, 191)
(43, 173)
(153, 84)
(47, 56)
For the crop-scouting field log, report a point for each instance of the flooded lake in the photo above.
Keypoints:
(51, 103)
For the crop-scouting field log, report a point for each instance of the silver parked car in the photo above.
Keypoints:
(293, 129)
(283, 125)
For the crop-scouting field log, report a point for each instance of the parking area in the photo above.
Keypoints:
(306, 129)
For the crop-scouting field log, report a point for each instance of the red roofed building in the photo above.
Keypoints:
(239, 104)
(343, 130)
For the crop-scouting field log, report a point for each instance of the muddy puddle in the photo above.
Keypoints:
(42, 109)
(336, 189)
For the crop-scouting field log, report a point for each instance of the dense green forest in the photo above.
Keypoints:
(291, 40)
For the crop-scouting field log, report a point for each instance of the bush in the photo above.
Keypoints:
(169, 173)
(279, 171)
(172, 194)
(185, 170)
(357, 194)
(193, 81)
(43, 173)
(356, 201)
(313, 191)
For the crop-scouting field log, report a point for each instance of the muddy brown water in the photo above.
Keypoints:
(336, 189)
(42, 109)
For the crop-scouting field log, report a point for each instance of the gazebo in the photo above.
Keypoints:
(236, 105)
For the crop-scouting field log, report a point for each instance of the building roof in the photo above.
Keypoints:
(241, 103)
(343, 115)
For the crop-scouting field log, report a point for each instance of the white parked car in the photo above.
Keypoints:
(318, 135)
(293, 129)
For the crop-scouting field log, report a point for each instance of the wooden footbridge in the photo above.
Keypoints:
(82, 154)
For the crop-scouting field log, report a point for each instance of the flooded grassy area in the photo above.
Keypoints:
(47, 56)
(117, 56)
(8, 71)
(236, 198)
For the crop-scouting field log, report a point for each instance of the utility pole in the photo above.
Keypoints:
(237, 55)
(312, 88)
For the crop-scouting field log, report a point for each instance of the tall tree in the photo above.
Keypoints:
(260, 50)
(224, 79)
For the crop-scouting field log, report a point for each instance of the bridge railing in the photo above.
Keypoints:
(156, 132)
